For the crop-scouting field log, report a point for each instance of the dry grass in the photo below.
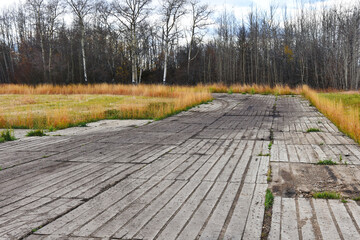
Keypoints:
(116, 89)
(47, 106)
(254, 89)
(344, 117)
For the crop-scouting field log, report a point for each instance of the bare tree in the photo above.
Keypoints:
(53, 11)
(81, 9)
(131, 14)
(171, 11)
(318, 47)
(199, 20)
(37, 6)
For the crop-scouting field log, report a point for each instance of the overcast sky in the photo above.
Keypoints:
(240, 8)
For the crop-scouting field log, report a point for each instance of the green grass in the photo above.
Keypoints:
(36, 229)
(264, 154)
(7, 135)
(37, 133)
(326, 162)
(356, 199)
(350, 100)
(268, 175)
(82, 124)
(269, 199)
(326, 195)
(313, 130)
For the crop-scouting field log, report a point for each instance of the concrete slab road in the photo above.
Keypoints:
(201, 174)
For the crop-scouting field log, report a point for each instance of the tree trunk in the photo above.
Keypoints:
(83, 52)
(43, 56)
(49, 66)
(165, 63)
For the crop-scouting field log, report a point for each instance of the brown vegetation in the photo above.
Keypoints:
(45, 106)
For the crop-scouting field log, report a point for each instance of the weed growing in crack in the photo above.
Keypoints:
(344, 200)
(7, 135)
(269, 199)
(268, 175)
(313, 130)
(326, 195)
(356, 199)
(264, 154)
(38, 133)
(35, 229)
(326, 162)
(340, 158)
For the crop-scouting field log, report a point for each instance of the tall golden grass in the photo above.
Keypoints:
(115, 89)
(346, 118)
(172, 99)
(254, 89)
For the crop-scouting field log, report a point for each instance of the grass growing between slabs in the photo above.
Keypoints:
(36, 133)
(7, 135)
(57, 107)
(326, 195)
(342, 108)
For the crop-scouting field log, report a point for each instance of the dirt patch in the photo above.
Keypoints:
(300, 179)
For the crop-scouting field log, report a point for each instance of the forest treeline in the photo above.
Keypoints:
(133, 41)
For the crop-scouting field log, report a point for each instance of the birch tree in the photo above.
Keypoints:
(53, 11)
(131, 14)
(199, 20)
(81, 8)
(171, 12)
(37, 7)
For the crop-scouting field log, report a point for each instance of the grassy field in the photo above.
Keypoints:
(56, 107)
(49, 107)
(349, 99)
(341, 108)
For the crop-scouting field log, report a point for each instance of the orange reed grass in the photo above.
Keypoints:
(344, 117)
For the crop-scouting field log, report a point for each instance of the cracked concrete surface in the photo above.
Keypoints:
(201, 174)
